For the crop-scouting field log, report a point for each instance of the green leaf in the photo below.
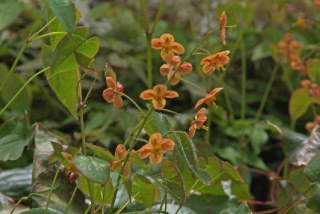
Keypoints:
(103, 193)
(43, 174)
(83, 60)
(92, 168)
(63, 59)
(15, 134)
(312, 170)
(232, 171)
(234, 208)
(173, 181)
(128, 185)
(151, 125)
(137, 160)
(313, 203)
(66, 13)
(57, 156)
(41, 211)
(258, 138)
(101, 152)
(313, 70)
(144, 191)
(63, 84)
(203, 176)
(9, 10)
(163, 123)
(299, 103)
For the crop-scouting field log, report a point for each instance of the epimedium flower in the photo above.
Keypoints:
(223, 24)
(158, 95)
(169, 69)
(197, 124)
(209, 99)
(116, 164)
(289, 46)
(111, 94)
(168, 46)
(213, 62)
(155, 148)
(72, 170)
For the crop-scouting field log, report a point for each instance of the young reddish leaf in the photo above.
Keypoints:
(110, 73)
(299, 103)
(102, 192)
(92, 168)
(66, 13)
(144, 191)
(101, 152)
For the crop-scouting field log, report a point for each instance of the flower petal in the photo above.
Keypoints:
(121, 152)
(156, 43)
(199, 102)
(166, 145)
(171, 94)
(185, 68)
(166, 55)
(208, 68)
(145, 151)
(207, 59)
(158, 105)
(110, 82)
(200, 121)
(167, 38)
(223, 36)
(159, 89)
(201, 112)
(223, 20)
(177, 48)
(175, 80)
(155, 139)
(108, 95)
(164, 70)
(175, 61)
(215, 91)
(192, 130)
(155, 159)
(147, 95)
(117, 101)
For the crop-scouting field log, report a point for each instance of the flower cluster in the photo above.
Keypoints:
(170, 68)
(313, 88)
(116, 164)
(198, 123)
(113, 93)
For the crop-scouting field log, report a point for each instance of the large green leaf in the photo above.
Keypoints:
(137, 160)
(92, 168)
(173, 181)
(163, 123)
(313, 70)
(43, 174)
(65, 11)
(151, 125)
(312, 170)
(299, 103)
(102, 193)
(144, 191)
(101, 152)
(64, 84)
(313, 203)
(63, 59)
(15, 134)
(9, 10)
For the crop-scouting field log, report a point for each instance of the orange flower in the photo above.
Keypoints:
(200, 119)
(155, 148)
(116, 164)
(288, 46)
(305, 83)
(169, 69)
(71, 167)
(317, 4)
(216, 61)
(157, 95)
(301, 22)
(110, 94)
(297, 64)
(223, 24)
(168, 46)
(209, 98)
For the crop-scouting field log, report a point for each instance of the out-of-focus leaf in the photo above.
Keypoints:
(9, 10)
(299, 103)
(63, 59)
(172, 208)
(310, 149)
(115, 60)
(92, 168)
(66, 13)
(41, 211)
(103, 193)
(312, 170)
(19, 186)
(101, 152)
(234, 208)
(15, 134)
(144, 191)
(261, 51)
(313, 70)
(63, 84)
(173, 181)
(138, 68)
(313, 203)
(137, 160)
(258, 138)
(43, 174)
(248, 12)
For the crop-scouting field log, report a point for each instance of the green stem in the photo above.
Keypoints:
(164, 198)
(71, 199)
(89, 92)
(243, 81)
(193, 186)
(194, 85)
(127, 158)
(21, 89)
(51, 189)
(125, 204)
(149, 61)
(47, 34)
(131, 100)
(173, 112)
(266, 93)
(44, 27)
(157, 17)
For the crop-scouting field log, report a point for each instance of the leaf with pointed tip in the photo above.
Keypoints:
(57, 156)
(101, 152)
(66, 13)
(137, 160)
(92, 168)
(83, 60)
(299, 103)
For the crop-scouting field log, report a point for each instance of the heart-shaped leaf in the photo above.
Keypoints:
(65, 11)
